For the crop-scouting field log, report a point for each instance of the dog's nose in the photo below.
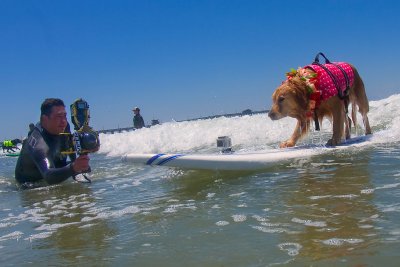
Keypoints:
(272, 115)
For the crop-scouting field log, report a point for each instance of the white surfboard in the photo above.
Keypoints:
(236, 161)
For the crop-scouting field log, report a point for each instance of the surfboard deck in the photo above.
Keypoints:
(236, 161)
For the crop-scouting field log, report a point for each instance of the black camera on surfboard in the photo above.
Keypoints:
(84, 139)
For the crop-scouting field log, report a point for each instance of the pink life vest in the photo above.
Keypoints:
(325, 84)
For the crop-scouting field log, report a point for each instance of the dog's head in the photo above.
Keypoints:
(290, 99)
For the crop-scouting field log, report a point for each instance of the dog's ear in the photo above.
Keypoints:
(296, 82)
(299, 90)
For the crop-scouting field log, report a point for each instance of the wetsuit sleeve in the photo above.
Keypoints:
(46, 167)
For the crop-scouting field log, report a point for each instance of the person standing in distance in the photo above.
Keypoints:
(41, 157)
(138, 121)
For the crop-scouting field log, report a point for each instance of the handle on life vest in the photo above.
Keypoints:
(316, 60)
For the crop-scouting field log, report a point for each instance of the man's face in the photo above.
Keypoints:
(56, 122)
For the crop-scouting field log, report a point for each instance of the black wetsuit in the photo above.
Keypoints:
(138, 121)
(41, 158)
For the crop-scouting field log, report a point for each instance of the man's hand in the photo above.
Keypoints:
(81, 164)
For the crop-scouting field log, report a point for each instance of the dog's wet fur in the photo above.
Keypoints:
(291, 99)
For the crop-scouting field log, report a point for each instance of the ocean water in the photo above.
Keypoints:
(339, 208)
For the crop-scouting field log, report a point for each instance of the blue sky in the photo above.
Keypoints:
(181, 59)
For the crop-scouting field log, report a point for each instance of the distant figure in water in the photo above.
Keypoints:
(138, 121)
(31, 127)
(10, 145)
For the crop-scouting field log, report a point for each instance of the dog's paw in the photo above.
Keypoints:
(287, 144)
(332, 142)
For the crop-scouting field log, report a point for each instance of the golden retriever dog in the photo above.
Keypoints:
(317, 91)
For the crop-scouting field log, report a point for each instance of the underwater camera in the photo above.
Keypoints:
(84, 139)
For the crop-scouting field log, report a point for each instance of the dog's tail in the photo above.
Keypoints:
(359, 100)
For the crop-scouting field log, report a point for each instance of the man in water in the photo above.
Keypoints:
(138, 121)
(41, 157)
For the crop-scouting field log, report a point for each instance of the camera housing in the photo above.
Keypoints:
(84, 140)
(80, 142)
